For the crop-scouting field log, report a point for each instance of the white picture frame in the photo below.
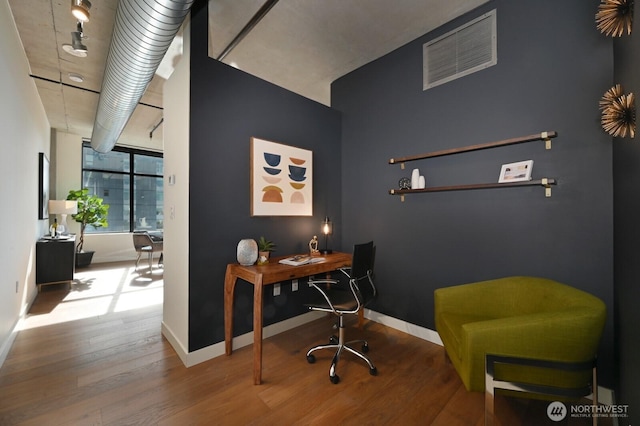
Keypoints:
(516, 172)
(281, 179)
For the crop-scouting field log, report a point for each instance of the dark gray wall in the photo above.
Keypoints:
(553, 67)
(228, 107)
(626, 176)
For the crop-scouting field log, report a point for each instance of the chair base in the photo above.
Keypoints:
(150, 255)
(340, 346)
(491, 384)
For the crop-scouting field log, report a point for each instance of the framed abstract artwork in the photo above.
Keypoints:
(43, 186)
(281, 179)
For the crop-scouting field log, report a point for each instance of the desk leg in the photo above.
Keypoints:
(229, 289)
(257, 330)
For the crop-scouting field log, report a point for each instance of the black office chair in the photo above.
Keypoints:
(347, 294)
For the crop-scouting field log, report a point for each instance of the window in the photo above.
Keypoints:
(130, 181)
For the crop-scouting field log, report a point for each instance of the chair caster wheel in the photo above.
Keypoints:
(334, 379)
(333, 340)
(365, 347)
(311, 359)
(373, 371)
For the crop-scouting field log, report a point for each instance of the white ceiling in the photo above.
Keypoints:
(301, 45)
(304, 45)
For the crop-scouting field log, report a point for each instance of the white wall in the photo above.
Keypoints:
(175, 324)
(25, 133)
(68, 163)
(68, 174)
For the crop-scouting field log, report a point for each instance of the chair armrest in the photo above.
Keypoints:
(550, 335)
(571, 335)
(323, 281)
(323, 293)
(338, 298)
(346, 270)
(326, 282)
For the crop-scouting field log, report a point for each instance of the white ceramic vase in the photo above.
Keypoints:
(247, 252)
(421, 182)
(415, 179)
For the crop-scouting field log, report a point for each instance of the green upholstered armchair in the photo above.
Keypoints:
(524, 317)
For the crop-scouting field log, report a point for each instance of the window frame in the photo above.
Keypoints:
(132, 152)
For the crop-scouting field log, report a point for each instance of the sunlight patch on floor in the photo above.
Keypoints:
(139, 299)
(97, 292)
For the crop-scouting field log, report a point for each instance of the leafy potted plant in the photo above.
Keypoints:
(91, 211)
(264, 248)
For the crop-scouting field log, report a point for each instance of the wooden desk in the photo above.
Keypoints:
(261, 276)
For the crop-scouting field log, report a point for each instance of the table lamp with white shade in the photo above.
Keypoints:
(63, 208)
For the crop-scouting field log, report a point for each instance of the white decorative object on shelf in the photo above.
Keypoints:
(415, 179)
(247, 253)
(421, 182)
(516, 172)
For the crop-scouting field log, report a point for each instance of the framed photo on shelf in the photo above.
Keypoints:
(516, 172)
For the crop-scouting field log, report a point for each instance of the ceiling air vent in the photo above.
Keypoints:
(465, 50)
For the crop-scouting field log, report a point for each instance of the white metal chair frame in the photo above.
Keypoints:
(346, 305)
(492, 384)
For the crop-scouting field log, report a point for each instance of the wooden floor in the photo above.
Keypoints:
(93, 354)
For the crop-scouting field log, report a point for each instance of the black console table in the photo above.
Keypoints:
(55, 260)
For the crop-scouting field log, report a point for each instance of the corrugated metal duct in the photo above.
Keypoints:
(143, 31)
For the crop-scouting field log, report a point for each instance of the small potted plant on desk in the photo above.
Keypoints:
(264, 248)
(91, 211)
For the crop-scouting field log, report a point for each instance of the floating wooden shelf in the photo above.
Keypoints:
(545, 136)
(545, 182)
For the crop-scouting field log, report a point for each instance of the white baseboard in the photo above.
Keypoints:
(406, 327)
(175, 343)
(605, 395)
(201, 355)
(190, 359)
(8, 343)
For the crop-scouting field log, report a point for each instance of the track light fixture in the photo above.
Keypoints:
(76, 48)
(76, 38)
(76, 41)
(80, 9)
